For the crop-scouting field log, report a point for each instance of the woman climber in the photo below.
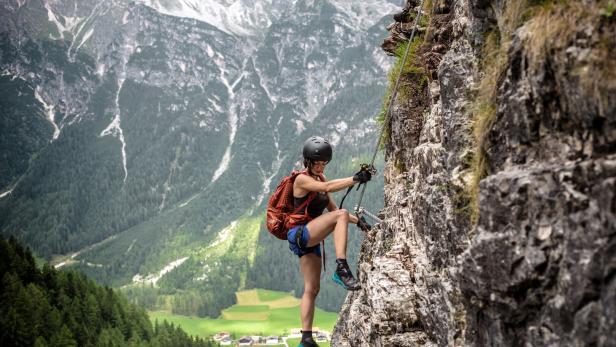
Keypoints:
(304, 238)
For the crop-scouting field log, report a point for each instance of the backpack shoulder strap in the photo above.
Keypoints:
(311, 195)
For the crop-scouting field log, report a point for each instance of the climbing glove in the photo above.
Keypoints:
(362, 176)
(363, 225)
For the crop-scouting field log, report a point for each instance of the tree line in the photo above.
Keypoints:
(46, 307)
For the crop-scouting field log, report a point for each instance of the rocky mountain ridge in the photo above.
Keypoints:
(500, 217)
(110, 46)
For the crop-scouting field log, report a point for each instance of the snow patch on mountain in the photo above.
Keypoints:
(263, 83)
(209, 51)
(115, 129)
(341, 127)
(100, 69)
(167, 185)
(361, 15)
(340, 130)
(85, 38)
(49, 113)
(219, 246)
(78, 30)
(14, 75)
(189, 200)
(248, 18)
(215, 103)
(233, 121)
(267, 180)
(76, 26)
(224, 234)
(54, 19)
(364, 130)
(318, 83)
(240, 18)
(299, 126)
(154, 278)
(72, 258)
(381, 59)
(66, 25)
(130, 247)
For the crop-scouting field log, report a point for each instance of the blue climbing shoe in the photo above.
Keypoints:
(308, 342)
(344, 277)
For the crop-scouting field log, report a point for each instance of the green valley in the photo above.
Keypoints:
(257, 312)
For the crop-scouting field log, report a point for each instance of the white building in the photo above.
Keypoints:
(272, 340)
(321, 337)
(221, 336)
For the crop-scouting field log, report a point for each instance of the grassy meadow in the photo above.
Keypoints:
(257, 312)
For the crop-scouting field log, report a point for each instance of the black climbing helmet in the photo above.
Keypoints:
(317, 148)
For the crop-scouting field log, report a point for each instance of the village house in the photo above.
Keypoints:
(272, 340)
(245, 341)
(321, 336)
(221, 335)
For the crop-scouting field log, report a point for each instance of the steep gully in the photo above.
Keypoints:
(500, 218)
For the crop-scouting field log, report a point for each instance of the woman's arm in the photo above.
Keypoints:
(308, 183)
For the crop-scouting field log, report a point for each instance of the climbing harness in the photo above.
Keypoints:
(358, 209)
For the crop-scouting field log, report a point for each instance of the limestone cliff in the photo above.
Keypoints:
(500, 199)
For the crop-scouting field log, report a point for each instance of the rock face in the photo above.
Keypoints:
(537, 265)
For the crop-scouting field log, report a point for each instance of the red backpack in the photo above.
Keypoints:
(281, 216)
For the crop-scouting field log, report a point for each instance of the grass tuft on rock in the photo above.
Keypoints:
(554, 27)
(413, 78)
(483, 109)
(548, 26)
(412, 82)
(484, 113)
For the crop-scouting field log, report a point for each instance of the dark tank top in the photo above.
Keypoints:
(315, 207)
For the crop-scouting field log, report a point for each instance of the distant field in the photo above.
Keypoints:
(247, 308)
(258, 312)
(272, 299)
(271, 295)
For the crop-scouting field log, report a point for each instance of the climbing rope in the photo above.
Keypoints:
(358, 208)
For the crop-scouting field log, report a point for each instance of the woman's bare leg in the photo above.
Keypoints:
(310, 265)
(336, 221)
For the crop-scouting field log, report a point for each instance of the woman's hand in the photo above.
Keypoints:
(353, 218)
(362, 176)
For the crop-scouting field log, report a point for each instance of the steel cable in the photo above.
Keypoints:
(391, 101)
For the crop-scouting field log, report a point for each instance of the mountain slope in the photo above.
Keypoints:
(152, 133)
